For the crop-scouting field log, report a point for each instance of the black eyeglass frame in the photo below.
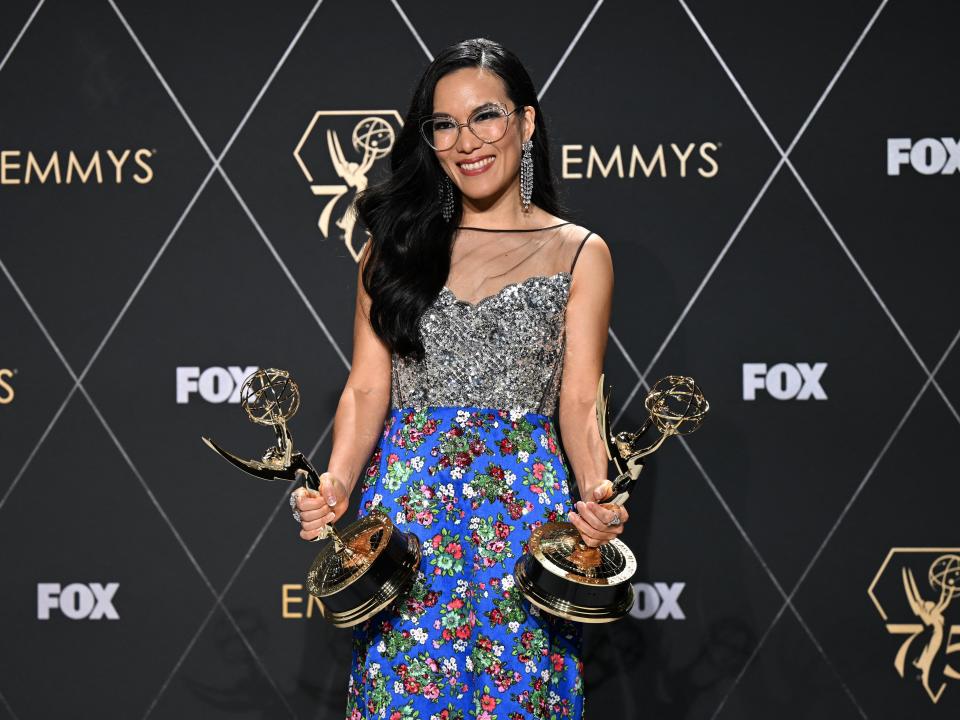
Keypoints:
(460, 125)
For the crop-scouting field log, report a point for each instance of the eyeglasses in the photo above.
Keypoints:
(488, 124)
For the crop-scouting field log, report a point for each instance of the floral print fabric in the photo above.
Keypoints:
(462, 642)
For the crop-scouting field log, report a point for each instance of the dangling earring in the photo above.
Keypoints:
(526, 174)
(446, 197)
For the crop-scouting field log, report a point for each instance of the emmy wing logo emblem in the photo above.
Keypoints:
(336, 153)
(930, 638)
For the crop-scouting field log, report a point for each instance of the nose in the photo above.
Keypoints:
(467, 142)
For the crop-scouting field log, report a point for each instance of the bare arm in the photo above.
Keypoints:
(587, 324)
(358, 423)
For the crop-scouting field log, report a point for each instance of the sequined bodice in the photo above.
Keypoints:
(504, 351)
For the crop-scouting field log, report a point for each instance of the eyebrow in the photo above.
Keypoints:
(491, 103)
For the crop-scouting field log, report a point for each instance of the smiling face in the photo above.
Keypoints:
(483, 171)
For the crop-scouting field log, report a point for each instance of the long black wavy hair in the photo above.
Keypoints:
(408, 258)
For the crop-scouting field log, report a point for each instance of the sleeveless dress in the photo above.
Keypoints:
(469, 461)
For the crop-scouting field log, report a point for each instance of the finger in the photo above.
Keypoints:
(588, 540)
(589, 511)
(604, 513)
(603, 491)
(324, 514)
(586, 532)
(309, 534)
(326, 488)
(304, 495)
(314, 525)
(624, 515)
(601, 533)
(301, 476)
(591, 536)
(296, 497)
(619, 509)
(613, 510)
(305, 502)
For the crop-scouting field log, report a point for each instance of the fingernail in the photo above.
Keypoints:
(579, 504)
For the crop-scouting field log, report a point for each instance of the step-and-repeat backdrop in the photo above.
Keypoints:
(778, 185)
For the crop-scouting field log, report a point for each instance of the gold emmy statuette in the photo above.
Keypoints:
(560, 573)
(367, 564)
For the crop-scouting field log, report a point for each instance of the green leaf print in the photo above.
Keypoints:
(446, 553)
(519, 438)
(397, 474)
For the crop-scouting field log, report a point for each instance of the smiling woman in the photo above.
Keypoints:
(477, 154)
(479, 95)
(481, 315)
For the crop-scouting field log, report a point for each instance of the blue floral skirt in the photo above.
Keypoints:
(462, 642)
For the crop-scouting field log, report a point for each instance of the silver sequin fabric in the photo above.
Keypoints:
(505, 351)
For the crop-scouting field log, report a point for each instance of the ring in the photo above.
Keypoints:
(616, 519)
(296, 516)
(293, 501)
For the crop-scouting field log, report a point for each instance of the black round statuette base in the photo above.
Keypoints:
(562, 576)
(363, 573)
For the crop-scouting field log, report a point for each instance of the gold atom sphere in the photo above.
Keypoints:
(945, 574)
(270, 396)
(373, 135)
(676, 405)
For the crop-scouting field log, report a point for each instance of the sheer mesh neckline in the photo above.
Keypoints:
(548, 227)
(486, 261)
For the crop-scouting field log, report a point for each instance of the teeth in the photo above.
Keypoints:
(478, 164)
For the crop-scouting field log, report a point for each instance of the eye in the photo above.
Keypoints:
(442, 124)
(487, 115)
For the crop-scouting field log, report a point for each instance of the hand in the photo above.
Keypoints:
(320, 508)
(591, 517)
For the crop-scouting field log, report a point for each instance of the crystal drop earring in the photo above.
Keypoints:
(446, 197)
(526, 174)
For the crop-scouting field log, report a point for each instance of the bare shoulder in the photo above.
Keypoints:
(581, 234)
(591, 254)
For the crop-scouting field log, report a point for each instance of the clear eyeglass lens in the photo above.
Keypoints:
(441, 133)
(489, 125)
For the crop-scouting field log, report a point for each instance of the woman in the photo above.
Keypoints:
(480, 312)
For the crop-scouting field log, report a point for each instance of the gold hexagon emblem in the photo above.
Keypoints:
(334, 168)
(931, 638)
